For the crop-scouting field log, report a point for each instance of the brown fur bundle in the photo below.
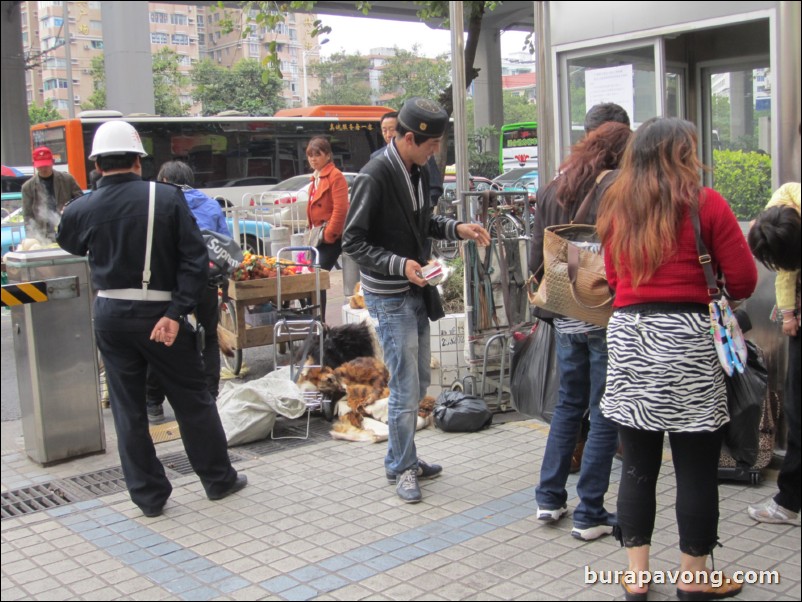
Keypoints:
(357, 300)
(225, 348)
(363, 371)
(426, 406)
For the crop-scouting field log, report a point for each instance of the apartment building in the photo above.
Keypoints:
(61, 72)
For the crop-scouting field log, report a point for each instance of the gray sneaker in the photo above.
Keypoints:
(406, 486)
(425, 471)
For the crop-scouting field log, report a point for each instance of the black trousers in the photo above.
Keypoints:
(695, 457)
(207, 316)
(328, 257)
(789, 480)
(127, 356)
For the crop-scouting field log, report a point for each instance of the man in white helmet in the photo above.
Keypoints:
(149, 266)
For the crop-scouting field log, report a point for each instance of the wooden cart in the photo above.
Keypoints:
(235, 331)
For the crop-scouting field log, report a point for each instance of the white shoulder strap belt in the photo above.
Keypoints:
(143, 294)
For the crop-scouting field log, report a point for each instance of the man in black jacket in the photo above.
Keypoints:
(386, 233)
(149, 265)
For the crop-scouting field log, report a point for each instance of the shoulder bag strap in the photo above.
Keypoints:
(584, 208)
(705, 259)
(149, 244)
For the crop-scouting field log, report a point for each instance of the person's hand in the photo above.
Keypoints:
(790, 324)
(165, 331)
(474, 232)
(412, 271)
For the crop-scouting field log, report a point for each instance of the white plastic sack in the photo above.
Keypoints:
(248, 410)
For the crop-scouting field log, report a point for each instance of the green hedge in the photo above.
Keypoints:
(744, 179)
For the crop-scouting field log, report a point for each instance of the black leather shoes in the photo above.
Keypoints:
(240, 483)
(152, 512)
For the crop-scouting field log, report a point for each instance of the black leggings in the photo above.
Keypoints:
(695, 457)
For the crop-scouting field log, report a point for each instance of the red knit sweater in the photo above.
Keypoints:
(681, 278)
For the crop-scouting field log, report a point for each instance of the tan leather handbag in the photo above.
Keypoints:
(574, 282)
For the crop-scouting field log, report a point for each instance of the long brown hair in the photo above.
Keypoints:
(640, 214)
(601, 149)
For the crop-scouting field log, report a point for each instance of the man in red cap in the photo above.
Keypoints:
(45, 194)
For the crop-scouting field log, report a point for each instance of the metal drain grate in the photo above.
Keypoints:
(179, 462)
(33, 499)
(102, 482)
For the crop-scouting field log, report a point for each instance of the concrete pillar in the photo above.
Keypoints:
(15, 138)
(488, 101)
(129, 64)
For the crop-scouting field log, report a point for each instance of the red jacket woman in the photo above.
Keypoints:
(328, 203)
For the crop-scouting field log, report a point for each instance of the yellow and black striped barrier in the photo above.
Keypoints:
(40, 291)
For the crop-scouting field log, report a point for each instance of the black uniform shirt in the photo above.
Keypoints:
(110, 225)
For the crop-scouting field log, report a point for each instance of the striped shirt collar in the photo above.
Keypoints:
(417, 200)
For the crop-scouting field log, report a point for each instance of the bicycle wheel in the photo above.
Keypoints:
(505, 226)
(447, 249)
(227, 314)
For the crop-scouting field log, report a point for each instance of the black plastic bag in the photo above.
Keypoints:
(225, 254)
(534, 377)
(745, 395)
(456, 412)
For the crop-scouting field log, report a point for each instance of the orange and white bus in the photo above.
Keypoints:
(235, 158)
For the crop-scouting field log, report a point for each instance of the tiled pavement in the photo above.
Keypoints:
(318, 521)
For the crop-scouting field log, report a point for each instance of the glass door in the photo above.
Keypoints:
(736, 118)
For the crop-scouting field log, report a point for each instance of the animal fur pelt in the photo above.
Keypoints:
(362, 421)
(225, 348)
(357, 300)
(344, 343)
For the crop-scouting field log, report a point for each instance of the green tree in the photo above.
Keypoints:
(482, 162)
(168, 81)
(46, 112)
(408, 74)
(721, 116)
(517, 109)
(268, 15)
(97, 100)
(246, 87)
(344, 80)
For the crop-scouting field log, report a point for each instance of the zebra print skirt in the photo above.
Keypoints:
(663, 373)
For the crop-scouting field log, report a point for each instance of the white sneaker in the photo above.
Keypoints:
(771, 512)
(551, 516)
(591, 533)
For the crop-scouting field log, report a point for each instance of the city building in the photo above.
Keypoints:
(62, 72)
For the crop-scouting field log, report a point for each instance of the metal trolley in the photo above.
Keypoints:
(496, 303)
(298, 327)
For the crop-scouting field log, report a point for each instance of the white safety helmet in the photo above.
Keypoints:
(116, 138)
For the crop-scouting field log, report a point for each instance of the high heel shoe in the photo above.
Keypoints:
(727, 589)
(631, 596)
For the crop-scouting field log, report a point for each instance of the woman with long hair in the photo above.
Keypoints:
(328, 205)
(663, 374)
(581, 347)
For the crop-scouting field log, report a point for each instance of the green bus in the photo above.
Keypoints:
(518, 146)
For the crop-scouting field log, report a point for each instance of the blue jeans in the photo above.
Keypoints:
(583, 368)
(404, 335)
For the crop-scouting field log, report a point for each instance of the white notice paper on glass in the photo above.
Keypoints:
(611, 84)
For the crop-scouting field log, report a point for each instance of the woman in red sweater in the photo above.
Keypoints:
(328, 204)
(663, 374)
